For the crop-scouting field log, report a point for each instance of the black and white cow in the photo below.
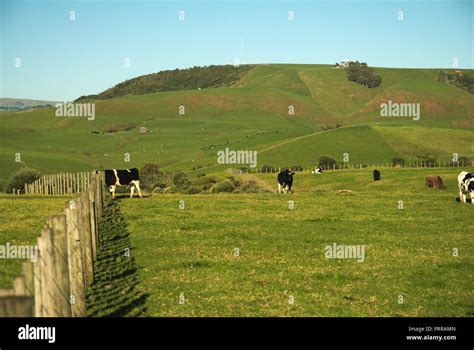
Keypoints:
(317, 170)
(285, 181)
(116, 177)
(466, 185)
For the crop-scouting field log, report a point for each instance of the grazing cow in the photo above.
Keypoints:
(285, 181)
(115, 177)
(466, 185)
(376, 175)
(317, 170)
(433, 181)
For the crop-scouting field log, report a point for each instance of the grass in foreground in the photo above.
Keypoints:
(21, 221)
(190, 265)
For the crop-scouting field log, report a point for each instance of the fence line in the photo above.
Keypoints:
(263, 170)
(54, 284)
(61, 184)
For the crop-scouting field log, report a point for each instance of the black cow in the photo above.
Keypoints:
(376, 175)
(115, 177)
(285, 181)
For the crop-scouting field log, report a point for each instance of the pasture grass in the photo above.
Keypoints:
(21, 221)
(250, 254)
(191, 252)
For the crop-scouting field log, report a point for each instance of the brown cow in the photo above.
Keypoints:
(433, 181)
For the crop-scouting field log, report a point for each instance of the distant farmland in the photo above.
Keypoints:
(252, 114)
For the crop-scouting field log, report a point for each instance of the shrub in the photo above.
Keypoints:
(151, 177)
(159, 184)
(428, 160)
(251, 186)
(111, 128)
(362, 74)
(223, 186)
(326, 162)
(204, 182)
(464, 160)
(460, 80)
(237, 182)
(150, 169)
(179, 179)
(398, 161)
(21, 177)
(192, 190)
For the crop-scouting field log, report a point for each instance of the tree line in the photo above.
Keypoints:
(361, 73)
(460, 80)
(174, 80)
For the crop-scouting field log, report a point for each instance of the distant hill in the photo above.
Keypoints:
(330, 116)
(175, 80)
(19, 104)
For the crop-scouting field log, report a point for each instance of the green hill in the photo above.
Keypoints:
(251, 114)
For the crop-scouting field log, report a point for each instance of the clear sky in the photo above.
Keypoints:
(62, 59)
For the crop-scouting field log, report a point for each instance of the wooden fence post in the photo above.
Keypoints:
(61, 267)
(93, 219)
(45, 244)
(76, 270)
(40, 292)
(84, 222)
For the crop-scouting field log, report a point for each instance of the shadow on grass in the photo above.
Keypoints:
(116, 290)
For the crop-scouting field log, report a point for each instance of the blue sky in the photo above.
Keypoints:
(62, 59)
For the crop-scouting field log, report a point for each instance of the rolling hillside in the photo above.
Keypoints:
(252, 114)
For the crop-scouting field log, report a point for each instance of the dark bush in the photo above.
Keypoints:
(223, 186)
(428, 160)
(192, 190)
(150, 169)
(179, 179)
(398, 161)
(111, 128)
(204, 182)
(459, 79)
(21, 177)
(236, 182)
(151, 177)
(250, 186)
(362, 74)
(176, 80)
(327, 162)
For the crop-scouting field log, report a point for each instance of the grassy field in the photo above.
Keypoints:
(192, 252)
(408, 252)
(251, 255)
(21, 221)
(252, 115)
